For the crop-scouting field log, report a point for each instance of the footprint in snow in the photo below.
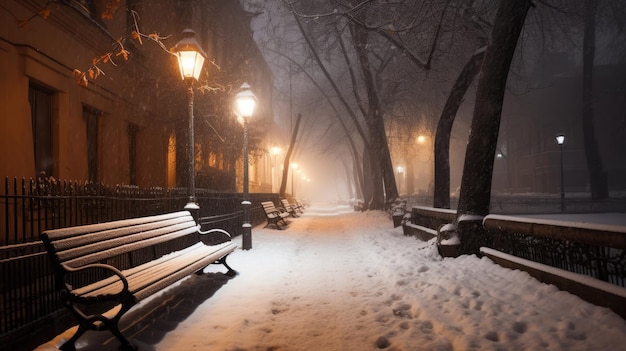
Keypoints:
(520, 327)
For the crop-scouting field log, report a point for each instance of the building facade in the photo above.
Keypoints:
(89, 91)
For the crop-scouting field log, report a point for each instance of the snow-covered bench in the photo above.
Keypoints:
(293, 211)
(102, 270)
(275, 216)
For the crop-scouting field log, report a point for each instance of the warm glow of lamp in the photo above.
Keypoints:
(421, 139)
(190, 56)
(246, 101)
(276, 150)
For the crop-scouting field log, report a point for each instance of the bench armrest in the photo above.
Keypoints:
(112, 269)
(214, 231)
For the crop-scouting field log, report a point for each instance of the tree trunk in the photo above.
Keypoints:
(389, 178)
(441, 197)
(294, 134)
(379, 163)
(478, 167)
(597, 176)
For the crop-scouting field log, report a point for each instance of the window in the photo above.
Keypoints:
(40, 100)
(91, 121)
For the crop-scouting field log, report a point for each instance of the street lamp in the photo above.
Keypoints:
(245, 104)
(400, 170)
(560, 140)
(190, 60)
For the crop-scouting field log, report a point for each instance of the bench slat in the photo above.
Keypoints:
(88, 237)
(180, 263)
(58, 234)
(99, 256)
(116, 242)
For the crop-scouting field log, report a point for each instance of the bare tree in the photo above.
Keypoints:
(475, 193)
(292, 144)
(597, 176)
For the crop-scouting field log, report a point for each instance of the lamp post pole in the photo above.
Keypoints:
(560, 140)
(191, 189)
(246, 102)
(190, 61)
(562, 183)
(247, 226)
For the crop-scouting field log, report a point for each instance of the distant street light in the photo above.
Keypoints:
(190, 61)
(400, 170)
(246, 102)
(560, 140)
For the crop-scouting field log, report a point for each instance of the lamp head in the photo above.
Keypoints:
(190, 55)
(275, 150)
(560, 138)
(245, 101)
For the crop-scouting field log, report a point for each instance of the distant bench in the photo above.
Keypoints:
(274, 215)
(103, 269)
(293, 210)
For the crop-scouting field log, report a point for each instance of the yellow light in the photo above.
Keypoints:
(276, 150)
(421, 139)
(190, 56)
(190, 64)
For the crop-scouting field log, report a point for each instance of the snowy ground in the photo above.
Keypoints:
(339, 280)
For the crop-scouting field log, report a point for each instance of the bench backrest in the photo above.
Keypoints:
(286, 205)
(78, 246)
(268, 207)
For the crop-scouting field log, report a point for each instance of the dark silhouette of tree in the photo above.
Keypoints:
(441, 196)
(475, 192)
(597, 176)
(292, 145)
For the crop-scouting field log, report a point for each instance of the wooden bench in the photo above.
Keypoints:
(102, 270)
(275, 216)
(299, 206)
(289, 208)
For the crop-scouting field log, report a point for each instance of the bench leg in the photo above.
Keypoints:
(276, 223)
(113, 326)
(231, 272)
(90, 322)
(69, 345)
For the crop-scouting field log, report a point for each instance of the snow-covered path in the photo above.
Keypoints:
(350, 282)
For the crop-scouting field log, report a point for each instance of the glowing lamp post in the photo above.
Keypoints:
(190, 61)
(560, 140)
(400, 170)
(245, 104)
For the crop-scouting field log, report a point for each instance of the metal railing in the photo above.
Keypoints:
(28, 207)
(595, 250)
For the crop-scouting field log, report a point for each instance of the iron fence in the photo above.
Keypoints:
(28, 207)
(598, 251)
